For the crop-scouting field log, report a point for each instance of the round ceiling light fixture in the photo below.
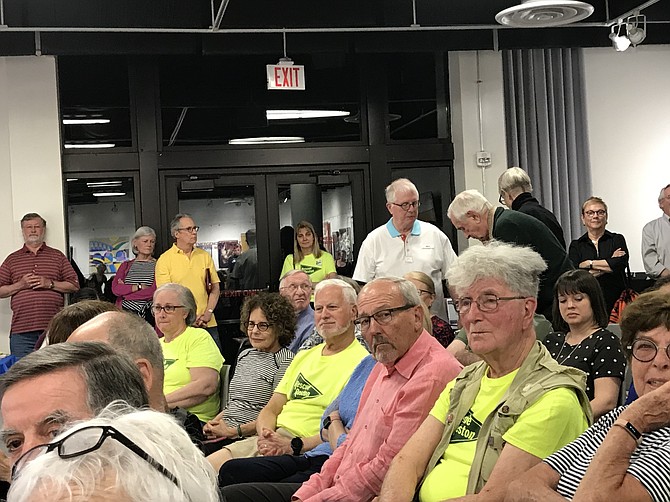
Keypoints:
(544, 13)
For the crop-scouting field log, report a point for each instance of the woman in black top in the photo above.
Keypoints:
(581, 340)
(603, 253)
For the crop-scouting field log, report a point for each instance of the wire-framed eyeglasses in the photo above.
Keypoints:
(487, 302)
(645, 350)
(407, 205)
(382, 317)
(86, 440)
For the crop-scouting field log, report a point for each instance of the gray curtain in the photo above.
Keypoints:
(545, 116)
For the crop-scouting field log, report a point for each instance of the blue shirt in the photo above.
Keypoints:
(303, 328)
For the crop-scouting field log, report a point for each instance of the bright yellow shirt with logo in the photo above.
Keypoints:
(552, 422)
(316, 268)
(311, 383)
(194, 348)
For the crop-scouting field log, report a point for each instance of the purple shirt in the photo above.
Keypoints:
(393, 405)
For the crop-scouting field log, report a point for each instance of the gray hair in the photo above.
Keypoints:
(518, 267)
(408, 290)
(141, 232)
(660, 196)
(348, 292)
(174, 224)
(289, 274)
(399, 185)
(35, 216)
(186, 298)
(116, 467)
(131, 335)
(469, 200)
(512, 178)
(109, 376)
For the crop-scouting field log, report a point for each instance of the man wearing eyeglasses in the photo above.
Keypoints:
(405, 244)
(656, 240)
(296, 287)
(500, 416)
(193, 268)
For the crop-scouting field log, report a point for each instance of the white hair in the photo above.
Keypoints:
(348, 291)
(399, 185)
(464, 202)
(117, 469)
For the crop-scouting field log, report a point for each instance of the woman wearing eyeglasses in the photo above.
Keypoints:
(269, 322)
(426, 287)
(308, 256)
(626, 454)
(192, 359)
(603, 253)
(581, 340)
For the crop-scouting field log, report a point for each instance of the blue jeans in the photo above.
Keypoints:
(22, 344)
(214, 331)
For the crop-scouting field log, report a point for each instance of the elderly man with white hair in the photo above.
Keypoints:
(476, 217)
(122, 454)
(405, 244)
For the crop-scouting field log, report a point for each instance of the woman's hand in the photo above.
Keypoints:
(218, 429)
(618, 253)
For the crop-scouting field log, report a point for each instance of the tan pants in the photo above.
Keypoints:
(245, 448)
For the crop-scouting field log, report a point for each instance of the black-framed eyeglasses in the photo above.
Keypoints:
(382, 317)
(168, 309)
(86, 440)
(487, 302)
(189, 229)
(262, 326)
(501, 199)
(407, 205)
(645, 350)
(599, 212)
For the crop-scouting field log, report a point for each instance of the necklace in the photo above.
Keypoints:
(565, 339)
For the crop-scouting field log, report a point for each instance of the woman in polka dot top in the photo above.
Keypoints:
(580, 339)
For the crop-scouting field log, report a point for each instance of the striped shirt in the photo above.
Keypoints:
(32, 309)
(648, 463)
(256, 375)
(140, 272)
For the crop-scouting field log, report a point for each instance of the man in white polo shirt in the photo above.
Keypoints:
(406, 244)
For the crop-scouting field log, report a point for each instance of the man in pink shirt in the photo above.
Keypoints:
(412, 370)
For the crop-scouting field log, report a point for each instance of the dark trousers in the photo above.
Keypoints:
(277, 469)
(259, 492)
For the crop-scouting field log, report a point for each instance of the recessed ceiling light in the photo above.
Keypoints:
(267, 139)
(109, 194)
(89, 145)
(72, 179)
(304, 114)
(98, 184)
(85, 121)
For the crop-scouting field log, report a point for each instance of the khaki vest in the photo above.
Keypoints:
(538, 374)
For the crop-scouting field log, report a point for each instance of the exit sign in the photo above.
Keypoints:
(286, 77)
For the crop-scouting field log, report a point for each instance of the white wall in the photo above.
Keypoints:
(29, 157)
(628, 109)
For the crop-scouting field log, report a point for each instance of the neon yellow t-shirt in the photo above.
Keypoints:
(175, 266)
(311, 383)
(552, 422)
(194, 348)
(316, 268)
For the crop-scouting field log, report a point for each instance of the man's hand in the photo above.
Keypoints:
(37, 281)
(218, 429)
(271, 443)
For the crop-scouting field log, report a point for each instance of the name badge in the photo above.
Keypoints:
(428, 246)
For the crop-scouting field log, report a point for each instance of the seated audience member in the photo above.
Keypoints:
(46, 391)
(63, 324)
(122, 454)
(426, 288)
(625, 455)
(581, 340)
(491, 424)
(192, 359)
(297, 288)
(290, 421)
(131, 335)
(269, 321)
(515, 192)
(412, 369)
(335, 424)
(602, 253)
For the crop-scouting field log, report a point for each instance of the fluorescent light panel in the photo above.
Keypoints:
(109, 194)
(99, 184)
(85, 121)
(89, 145)
(267, 139)
(304, 114)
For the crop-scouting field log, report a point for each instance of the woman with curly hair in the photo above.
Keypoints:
(269, 321)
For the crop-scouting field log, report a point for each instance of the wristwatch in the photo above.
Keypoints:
(139, 286)
(296, 445)
(327, 421)
(211, 311)
(51, 286)
(590, 264)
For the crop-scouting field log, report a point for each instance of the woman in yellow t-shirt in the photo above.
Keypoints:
(308, 256)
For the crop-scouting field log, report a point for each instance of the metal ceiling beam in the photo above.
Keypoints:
(639, 8)
(216, 20)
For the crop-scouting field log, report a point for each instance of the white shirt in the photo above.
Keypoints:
(656, 246)
(426, 249)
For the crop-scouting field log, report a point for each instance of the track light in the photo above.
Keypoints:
(619, 42)
(631, 32)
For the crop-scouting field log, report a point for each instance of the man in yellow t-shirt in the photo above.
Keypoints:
(290, 422)
(503, 415)
(187, 265)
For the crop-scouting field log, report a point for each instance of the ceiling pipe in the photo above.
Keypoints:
(639, 8)
(216, 22)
